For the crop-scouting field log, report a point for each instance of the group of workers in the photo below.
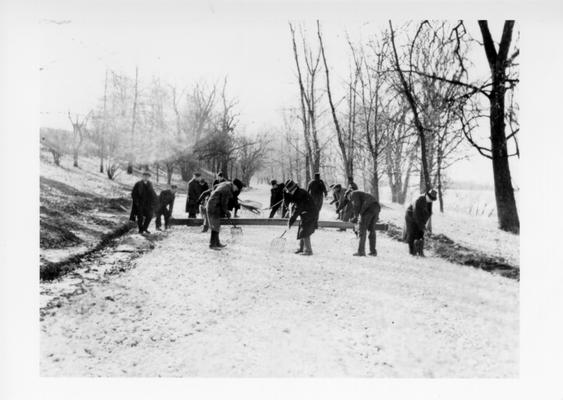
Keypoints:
(293, 202)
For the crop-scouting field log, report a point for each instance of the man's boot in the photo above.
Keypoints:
(361, 252)
(361, 245)
(212, 244)
(218, 242)
(372, 250)
(307, 250)
(421, 247)
(300, 249)
(411, 248)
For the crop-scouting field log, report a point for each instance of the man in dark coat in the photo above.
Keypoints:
(145, 202)
(366, 209)
(165, 207)
(276, 199)
(317, 190)
(194, 191)
(306, 209)
(416, 217)
(345, 209)
(218, 206)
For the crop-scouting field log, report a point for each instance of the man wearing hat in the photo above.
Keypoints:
(317, 190)
(217, 206)
(145, 202)
(195, 189)
(276, 199)
(165, 207)
(366, 208)
(306, 209)
(416, 217)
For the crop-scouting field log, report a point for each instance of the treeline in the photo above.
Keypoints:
(411, 104)
(409, 108)
(156, 126)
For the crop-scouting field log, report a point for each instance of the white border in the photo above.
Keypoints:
(541, 210)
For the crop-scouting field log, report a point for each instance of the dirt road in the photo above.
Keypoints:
(185, 310)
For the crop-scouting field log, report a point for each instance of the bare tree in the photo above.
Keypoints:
(374, 115)
(199, 122)
(345, 137)
(503, 78)
(308, 101)
(407, 92)
(499, 64)
(56, 141)
(133, 122)
(78, 135)
(251, 156)
(400, 153)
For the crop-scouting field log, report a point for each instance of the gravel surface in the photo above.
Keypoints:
(185, 310)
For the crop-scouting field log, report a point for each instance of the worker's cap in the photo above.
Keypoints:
(197, 174)
(432, 194)
(273, 182)
(290, 185)
(146, 173)
(238, 183)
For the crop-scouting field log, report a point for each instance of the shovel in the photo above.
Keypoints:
(278, 244)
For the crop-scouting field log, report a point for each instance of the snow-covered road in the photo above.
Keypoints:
(185, 310)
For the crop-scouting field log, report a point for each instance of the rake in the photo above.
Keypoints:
(236, 231)
(278, 244)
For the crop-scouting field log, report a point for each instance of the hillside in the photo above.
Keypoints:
(79, 207)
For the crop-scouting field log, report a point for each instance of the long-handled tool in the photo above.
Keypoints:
(269, 208)
(236, 231)
(278, 244)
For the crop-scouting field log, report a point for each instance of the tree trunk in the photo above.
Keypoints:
(133, 122)
(169, 172)
(307, 170)
(75, 158)
(56, 158)
(504, 192)
(440, 192)
(418, 124)
(404, 191)
(185, 171)
(103, 135)
(375, 180)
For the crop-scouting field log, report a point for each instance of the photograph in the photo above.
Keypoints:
(243, 196)
(280, 200)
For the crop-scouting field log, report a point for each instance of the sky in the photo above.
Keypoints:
(184, 44)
